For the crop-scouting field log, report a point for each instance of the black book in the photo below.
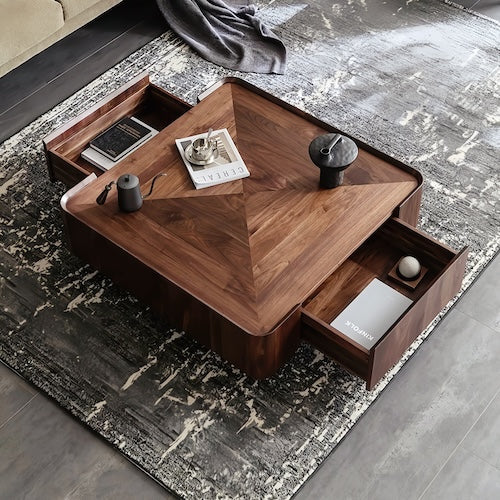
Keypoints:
(120, 138)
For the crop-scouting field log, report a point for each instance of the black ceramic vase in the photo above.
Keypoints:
(332, 153)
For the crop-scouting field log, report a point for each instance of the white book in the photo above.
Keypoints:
(103, 162)
(228, 166)
(372, 313)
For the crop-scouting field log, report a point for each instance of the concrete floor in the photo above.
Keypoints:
(432, 433)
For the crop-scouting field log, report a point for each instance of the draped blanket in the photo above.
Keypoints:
(229, 35)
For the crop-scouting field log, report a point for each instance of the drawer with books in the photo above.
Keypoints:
(139, 107)
(366, 314)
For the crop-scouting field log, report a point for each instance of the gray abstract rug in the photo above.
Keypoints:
(416, 79)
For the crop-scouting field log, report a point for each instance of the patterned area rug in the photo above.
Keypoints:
(418, 80)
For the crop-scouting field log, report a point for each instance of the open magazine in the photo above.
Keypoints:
(227, 166)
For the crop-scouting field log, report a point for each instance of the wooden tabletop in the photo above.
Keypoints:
(255, 248)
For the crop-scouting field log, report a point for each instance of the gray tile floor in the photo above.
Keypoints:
(433, 433)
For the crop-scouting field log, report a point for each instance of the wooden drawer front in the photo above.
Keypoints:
(139, 98)
(325, 338)
(374, 259)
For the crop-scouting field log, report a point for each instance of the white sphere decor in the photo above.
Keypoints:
(409, 267)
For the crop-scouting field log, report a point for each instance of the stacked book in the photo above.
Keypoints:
(117, 142)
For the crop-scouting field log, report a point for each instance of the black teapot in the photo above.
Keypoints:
(129, 192)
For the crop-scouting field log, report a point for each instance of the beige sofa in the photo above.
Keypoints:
(29, 26)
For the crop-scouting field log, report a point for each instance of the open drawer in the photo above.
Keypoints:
(139, 98)
(375, 259)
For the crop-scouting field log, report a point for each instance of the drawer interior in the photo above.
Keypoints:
(141, 99)
(375, 259)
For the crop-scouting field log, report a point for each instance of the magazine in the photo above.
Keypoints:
(120, 138)
(104, 163)
(227, 165)
(370, 315)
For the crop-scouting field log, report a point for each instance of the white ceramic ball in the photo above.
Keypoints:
(409, 267)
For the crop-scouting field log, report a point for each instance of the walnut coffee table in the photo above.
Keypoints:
(252, 267)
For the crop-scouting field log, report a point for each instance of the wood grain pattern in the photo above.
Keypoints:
(409, 210)
(232, 264)
(258, 356)
(253, 252)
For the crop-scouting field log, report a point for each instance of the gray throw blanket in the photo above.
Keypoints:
(228, 35)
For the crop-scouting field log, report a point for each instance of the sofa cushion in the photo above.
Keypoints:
(24, 23)
(72, 8)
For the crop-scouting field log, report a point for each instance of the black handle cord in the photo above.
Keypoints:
(153, 185)
(102, 197)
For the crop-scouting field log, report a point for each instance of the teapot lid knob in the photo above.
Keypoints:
(127, 181)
